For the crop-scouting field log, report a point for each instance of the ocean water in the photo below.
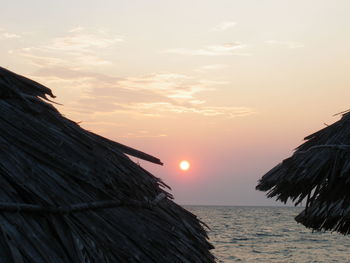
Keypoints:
(268, 234)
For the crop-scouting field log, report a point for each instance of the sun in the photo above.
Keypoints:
(184, 165)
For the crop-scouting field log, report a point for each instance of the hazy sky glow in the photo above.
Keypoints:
(230, 86)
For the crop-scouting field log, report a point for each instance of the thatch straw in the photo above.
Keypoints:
(318, 171)
(69, 195)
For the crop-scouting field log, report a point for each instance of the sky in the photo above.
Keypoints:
(232, 86)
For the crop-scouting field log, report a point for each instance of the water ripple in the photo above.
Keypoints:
(268, 234)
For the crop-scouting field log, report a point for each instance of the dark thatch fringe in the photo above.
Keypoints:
(319, 170)
(57, 181)
(90, 206)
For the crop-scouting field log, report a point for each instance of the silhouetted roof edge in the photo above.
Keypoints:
(31, 88)
(319, 172)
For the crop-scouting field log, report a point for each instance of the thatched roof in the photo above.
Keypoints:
(318, 171)
(69, 195)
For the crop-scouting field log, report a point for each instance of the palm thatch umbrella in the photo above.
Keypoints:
(69, 195)
(318, 171)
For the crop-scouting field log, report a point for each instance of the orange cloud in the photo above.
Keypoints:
(226, 49)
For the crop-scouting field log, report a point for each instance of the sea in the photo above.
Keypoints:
(268, 234)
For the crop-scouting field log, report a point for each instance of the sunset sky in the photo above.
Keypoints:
(231, 86)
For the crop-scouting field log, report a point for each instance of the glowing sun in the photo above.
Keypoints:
(184, 165)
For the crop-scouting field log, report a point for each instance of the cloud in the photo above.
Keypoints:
(211, 67)
(68, 64)
(169, 85)
(153, 95)
(226, 49)
(224, 26)
(78, 47)
(159, 108)
(8, 35)
(142, 134)
(76, 29)
(78, 41)
(40, 61)
(286, 44)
